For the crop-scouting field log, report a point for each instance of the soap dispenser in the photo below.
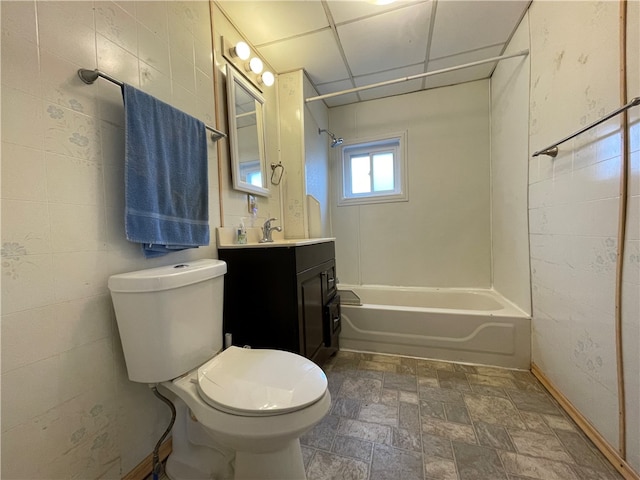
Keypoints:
(241, 238)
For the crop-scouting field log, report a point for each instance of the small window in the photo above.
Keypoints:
(373, 171)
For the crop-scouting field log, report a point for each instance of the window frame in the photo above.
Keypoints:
(395, 142)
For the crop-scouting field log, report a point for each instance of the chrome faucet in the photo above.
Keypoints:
(267, 229)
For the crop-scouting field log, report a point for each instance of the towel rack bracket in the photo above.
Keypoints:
(216, 135)
(551, 151)
(88, 76)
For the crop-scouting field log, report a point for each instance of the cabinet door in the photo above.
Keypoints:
(312, 311)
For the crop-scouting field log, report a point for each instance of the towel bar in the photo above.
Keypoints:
(552, 150)
(90, 76)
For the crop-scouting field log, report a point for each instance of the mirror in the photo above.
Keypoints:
(245, 106)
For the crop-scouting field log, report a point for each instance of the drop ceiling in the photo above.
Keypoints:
(346, 44)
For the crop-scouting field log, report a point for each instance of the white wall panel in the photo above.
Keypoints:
(509, 171)
(65, 392)
(440, 237)
(574, 203)
(573, 207)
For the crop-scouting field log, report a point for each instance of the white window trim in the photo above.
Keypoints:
(400, 195)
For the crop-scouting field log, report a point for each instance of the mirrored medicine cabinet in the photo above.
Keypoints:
(245, 108)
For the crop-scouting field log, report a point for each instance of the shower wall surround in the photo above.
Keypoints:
(509, 173)
(573, 204)
(441, 236)
(68, 409)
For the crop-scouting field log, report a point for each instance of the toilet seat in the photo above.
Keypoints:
(260, 382)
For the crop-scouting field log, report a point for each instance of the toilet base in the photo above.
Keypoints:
(176, 469)
(264, 447)
(285, 464)
(195, 454)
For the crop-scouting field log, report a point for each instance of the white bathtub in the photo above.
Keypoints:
(464, 325)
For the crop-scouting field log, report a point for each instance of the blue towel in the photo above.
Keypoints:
(166, 187)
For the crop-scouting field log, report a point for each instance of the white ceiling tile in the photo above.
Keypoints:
(460, 76)
(316, 52)
(467, 25)
(337, 87)
(465, 74)
(466, 57)
(345, 11)
(341, 100)
(390, 40)
(267, 21)
(389, 75)
(389, 90)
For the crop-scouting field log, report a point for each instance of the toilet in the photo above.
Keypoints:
(240, 412)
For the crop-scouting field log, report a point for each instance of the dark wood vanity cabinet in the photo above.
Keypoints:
(277, 297)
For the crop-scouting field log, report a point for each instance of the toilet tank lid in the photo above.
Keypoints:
(167, 277)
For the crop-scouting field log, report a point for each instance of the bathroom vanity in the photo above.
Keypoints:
(283, 296)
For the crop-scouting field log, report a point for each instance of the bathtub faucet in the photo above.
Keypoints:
(267, 229)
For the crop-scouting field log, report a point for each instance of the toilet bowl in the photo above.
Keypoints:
(240, 411)
(258, 403)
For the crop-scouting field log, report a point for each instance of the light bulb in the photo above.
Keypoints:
(267, 78)
(242, 50)
(255, 64)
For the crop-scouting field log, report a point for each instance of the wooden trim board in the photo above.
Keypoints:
(145, 467)
(590, 431)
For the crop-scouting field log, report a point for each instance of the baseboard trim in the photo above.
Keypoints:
(145, 467)
(589, 430)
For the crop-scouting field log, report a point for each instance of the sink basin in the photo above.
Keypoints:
(226, 237)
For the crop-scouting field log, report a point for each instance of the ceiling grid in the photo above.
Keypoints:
(348, 44)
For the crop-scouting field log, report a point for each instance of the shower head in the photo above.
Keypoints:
(335, 141)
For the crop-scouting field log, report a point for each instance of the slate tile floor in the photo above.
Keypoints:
(401, 418)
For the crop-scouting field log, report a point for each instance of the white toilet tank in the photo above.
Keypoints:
(169, 318)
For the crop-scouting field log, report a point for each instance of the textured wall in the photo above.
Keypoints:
(573, 210)
(291, 103)
(68, 409)
(304, 155)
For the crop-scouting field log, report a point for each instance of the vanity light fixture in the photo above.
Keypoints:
(241, 50)
(255, 65)
(239, 54)
(267, 78)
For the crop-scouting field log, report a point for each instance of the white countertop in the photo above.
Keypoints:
(226, 237)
